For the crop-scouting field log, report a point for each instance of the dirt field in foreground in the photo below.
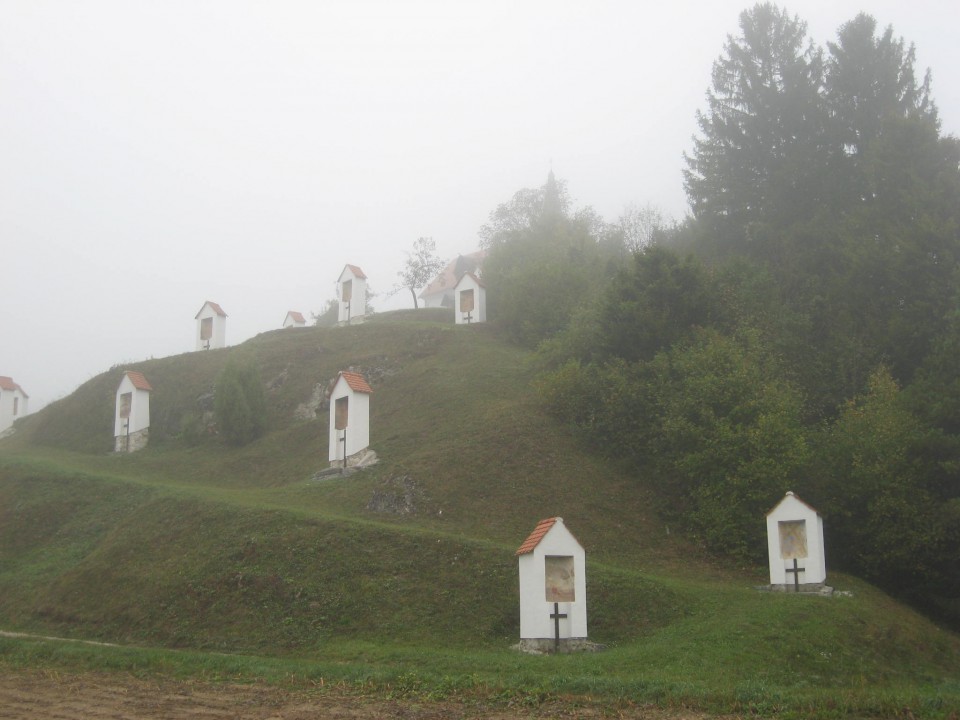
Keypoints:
(91, 696)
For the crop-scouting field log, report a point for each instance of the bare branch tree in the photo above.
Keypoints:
(421, 267)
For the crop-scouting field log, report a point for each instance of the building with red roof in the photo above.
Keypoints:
(439, 293)
(349, 418)
(352, 295)
(294, 319)
(13, 402)
(131, 425)
(211, 326)
(553, 589)
(470, 298)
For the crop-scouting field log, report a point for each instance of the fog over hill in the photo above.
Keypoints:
(159, 155)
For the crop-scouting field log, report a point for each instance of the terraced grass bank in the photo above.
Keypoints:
(209, 562)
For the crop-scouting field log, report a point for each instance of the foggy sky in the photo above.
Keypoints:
(154, 155)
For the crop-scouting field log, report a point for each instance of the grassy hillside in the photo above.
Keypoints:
(194, 545)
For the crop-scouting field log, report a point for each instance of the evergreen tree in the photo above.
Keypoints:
(648, 307)
(762, 146)
(870, 79)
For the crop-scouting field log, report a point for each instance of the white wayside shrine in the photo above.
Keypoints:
(470, 296)
(211, 327)
(795, 546)
(352, 291)
(13, 402)
(553, 590)
(131, 426)
(294, 319)
(349, 420)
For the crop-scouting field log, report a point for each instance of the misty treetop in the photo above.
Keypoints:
(789, 128)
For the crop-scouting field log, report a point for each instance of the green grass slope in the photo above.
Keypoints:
(194, 545)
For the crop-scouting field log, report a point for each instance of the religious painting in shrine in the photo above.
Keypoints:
(559, 578)
(206, 328)
(126, 400)
(793, 539)
(466, 301)
(341, 413)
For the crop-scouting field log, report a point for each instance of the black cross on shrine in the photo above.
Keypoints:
(796, 575)
(555, 616)
(468, 317)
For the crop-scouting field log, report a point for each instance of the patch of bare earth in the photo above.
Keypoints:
(38, 695)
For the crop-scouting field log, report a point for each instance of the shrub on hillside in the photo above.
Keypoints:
(240, 405)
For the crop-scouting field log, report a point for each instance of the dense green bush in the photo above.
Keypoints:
(711, 418)
(240, 404)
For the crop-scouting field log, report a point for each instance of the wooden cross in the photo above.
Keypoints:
(555, 616)
(468, 317)
(796, 575)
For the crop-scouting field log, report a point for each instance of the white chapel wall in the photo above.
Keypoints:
(358, 422)
(535, 621)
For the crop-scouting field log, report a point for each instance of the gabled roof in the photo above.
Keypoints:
(542, 528)
(357, 272)
(138, 380)
(355, 381)
(791, 495)
(448, 277)
(295, 316)
(213, 306)
(7, 383)
(477, 280)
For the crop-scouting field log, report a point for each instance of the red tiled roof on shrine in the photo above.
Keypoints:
(357, 272)
(449, 276)
(356, 381)
(542, 528)
(7, 383)
(138, 380)
(296, 317)
(213, 306)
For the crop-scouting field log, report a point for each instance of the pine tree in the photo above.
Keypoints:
(762, 143)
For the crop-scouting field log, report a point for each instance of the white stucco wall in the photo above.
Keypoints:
(7, 415)
(792, 509)
(535, 621)
(433, 300)
(358, 422)
(219, 337)
(479, 313)
(139, 409)
(290, 321)
(355, 310)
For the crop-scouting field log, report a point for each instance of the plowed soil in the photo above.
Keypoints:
(38, 695)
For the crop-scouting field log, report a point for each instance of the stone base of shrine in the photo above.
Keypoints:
(132, 442)
(548, 646)
(803, 588)
(362, 459)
